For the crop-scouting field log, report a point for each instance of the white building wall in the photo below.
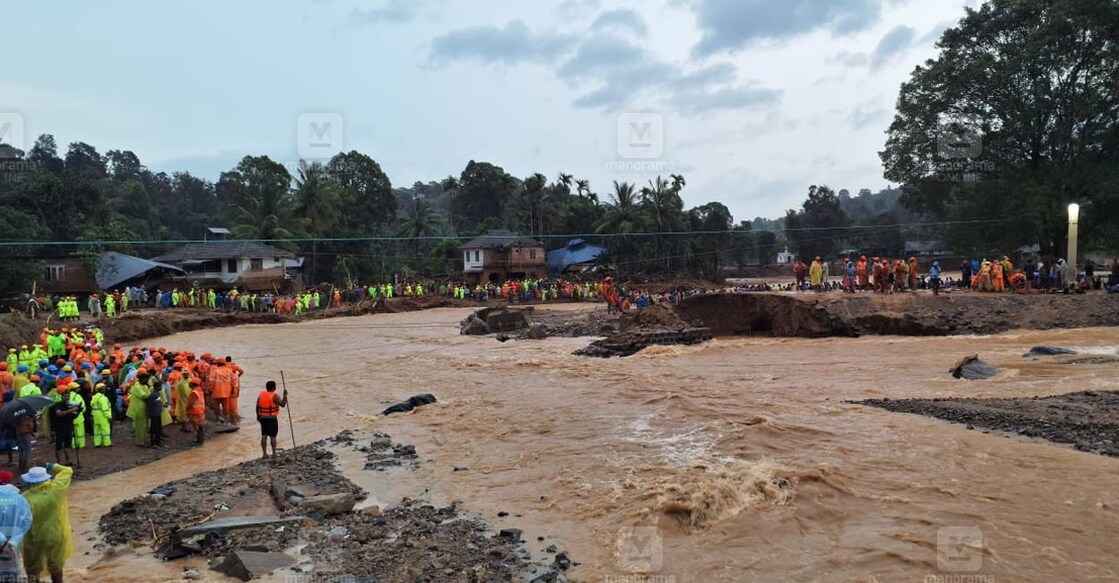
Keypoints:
(473, 259)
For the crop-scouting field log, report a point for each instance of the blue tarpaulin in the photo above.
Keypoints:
(577, 253)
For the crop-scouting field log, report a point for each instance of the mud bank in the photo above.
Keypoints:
(298, 515)
(904, 314)
(1088, 420)
(140, 324)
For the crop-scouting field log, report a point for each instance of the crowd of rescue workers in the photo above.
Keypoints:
(68, 389)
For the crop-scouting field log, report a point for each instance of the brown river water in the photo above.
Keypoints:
(736, 460)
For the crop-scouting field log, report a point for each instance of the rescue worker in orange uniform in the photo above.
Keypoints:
(996, 276)
(268, 413)
(912, 273)
(862, 276)
(221, 387)
(234, 415)
(196, 410)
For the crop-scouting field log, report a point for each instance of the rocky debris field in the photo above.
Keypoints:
(298, 513)
(1088, 421)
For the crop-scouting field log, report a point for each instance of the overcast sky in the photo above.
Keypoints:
(751, 100)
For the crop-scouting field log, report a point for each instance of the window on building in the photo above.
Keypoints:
(231, 265)
(54, 273)
(477, 256)
(532, 253)
(256, 265)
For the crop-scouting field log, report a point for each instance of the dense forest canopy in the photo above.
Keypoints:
(1017, 117)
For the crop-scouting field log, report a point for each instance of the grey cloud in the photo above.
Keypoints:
(602, 54)
(628, 72)
(935, 33)
(620, 19)
(866, 114)
(577, 8)
(513, 44)
(892, 44)
(394, 11)
(729, 25)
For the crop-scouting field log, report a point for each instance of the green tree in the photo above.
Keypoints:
(480, 193)
(1017, 117)
(316, 203)
(259, 197)
(818, 227)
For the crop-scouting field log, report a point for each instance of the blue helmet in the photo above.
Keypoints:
(22, 368)
(936, 264)
(43, 362)
(52, 369)
(86, 365)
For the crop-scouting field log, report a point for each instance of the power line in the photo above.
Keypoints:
(387, 239)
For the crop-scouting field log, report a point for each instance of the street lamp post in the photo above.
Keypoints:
(1073, 219)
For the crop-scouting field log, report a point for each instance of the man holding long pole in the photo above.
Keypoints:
(268, 413)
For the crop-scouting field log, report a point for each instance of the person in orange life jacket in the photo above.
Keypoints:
(196, 411)
(268, 413)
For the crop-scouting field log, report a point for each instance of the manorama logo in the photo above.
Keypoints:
(640, 135)
(12, 134)
(319, 135)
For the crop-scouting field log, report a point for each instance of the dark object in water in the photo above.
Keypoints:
(1047, 351)
(411, 403)
(973, 369)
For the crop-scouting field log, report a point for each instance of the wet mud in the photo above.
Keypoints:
(1087, 421)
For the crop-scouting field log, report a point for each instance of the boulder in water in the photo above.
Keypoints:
(1047, 351)
(411, 403)
(474, 326)
(973, 369)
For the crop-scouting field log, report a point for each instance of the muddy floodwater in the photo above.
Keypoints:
(736, 460)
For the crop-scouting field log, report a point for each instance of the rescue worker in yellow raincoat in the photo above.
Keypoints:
(48, 542)
(102, 411)
(816, 274)
(138, 395)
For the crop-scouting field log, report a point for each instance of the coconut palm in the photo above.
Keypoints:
(420, 222)
(316, 204)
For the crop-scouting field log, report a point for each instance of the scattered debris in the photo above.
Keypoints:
(246, 565)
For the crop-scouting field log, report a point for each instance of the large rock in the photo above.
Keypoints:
(973, 369)
(1047, 351)
(246, 565)
(331, 504)
(411, 403)
(474, 326)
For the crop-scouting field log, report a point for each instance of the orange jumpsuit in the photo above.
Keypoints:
(221, 387)
(996, 276)
(234, 416)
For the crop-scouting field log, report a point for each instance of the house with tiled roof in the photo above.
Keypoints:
(498, 256)
(245, 265)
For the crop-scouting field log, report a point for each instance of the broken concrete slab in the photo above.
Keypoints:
(331, 504)
(236, 523)
(247, 565)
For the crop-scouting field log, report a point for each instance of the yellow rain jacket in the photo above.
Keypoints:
(49, 537)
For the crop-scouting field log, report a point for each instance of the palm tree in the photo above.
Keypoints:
(662, 206)
(565, 179)
(583, 186)
(622, 213)
(421, 222)
(316, 204)
(264, 215)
